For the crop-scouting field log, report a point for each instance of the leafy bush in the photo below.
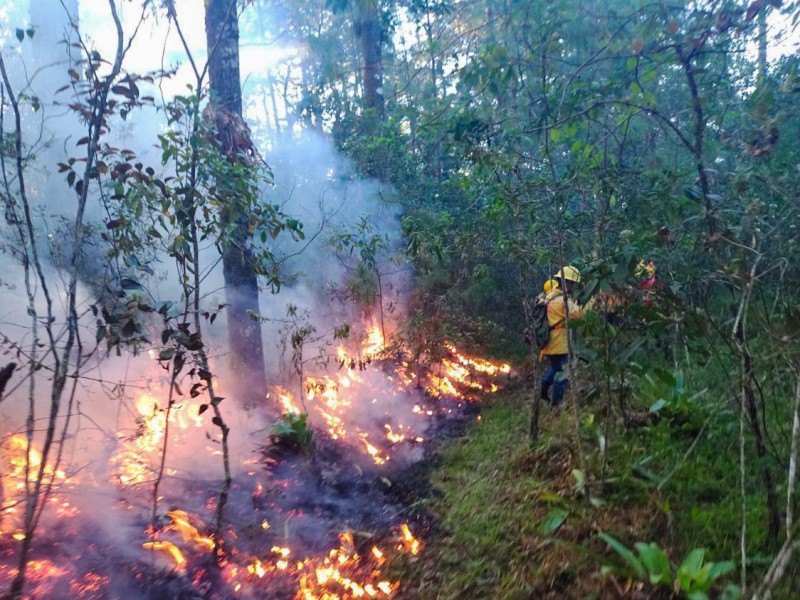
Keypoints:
(694, 577)
(666, 395)
(293, 431)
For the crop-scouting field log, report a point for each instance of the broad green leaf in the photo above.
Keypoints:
(690, 568)
(656, 563)
(648, 75)
(703, 581)
(554, 520)
(630, 559)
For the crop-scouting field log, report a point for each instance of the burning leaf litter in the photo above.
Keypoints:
(334, 575)
(181, 541)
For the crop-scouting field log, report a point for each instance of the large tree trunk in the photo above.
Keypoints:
(241, 283)
(368, 29)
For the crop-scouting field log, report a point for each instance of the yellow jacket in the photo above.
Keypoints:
(557, 344)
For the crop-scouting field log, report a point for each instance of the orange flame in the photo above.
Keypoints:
(375, 342)
(170, 550)
(342, 573)
(334, 576)
(133, 459)
(372, 450)
(287, 404)
(478, 364)
(370, 348)
(180, 523)
(393, 437)
(410, 543)
(15, 454)
(462, 372)
(332, 398)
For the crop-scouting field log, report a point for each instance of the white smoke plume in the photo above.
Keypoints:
(113, 444)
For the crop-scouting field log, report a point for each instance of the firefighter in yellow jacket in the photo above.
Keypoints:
(556, 350)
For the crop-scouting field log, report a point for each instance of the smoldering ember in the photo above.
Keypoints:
(409, 299)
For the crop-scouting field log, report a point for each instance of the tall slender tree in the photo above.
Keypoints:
(368, 29)
(238, 262)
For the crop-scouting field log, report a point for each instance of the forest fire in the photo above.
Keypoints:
(134, 459)
(335, 399)
(370, 349)
(463, 371)
(180, 523)
(45, 577)
(249, 251)
(342, 573)
(370, 407)
(19, 461)
(170, 549)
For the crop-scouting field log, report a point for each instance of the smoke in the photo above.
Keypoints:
(316, 185)
(117, 411)
(313, 184)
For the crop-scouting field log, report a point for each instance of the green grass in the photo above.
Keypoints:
(500, 504)
(493, 506)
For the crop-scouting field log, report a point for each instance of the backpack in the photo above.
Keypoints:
(540, 326)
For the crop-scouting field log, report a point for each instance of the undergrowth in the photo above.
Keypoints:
(519, 520)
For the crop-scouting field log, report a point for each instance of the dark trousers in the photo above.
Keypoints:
(555, 377)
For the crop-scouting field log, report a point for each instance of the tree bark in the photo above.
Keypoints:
(368, 29)
(238, 263)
